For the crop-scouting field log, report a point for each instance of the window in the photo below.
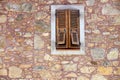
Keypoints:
(67, 30)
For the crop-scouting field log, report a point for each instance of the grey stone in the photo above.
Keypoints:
(13, 7)
(108, 9)
(98, 53)
(90, 2)
(19, 17)
(41, 26)
(41, 15)
(113, 36)
(38, 67)
(3, 78)
(115, 20)
(117, 42)
(26, 7)
(106, 63)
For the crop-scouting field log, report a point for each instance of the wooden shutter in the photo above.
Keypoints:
(74, 28)
(61, 28)
(67, 29)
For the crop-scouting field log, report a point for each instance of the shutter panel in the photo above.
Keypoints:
(74, 29)
(61, 28)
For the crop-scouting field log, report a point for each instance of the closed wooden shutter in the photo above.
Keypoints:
(67, 29)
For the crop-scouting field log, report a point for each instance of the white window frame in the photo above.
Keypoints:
(80, 51)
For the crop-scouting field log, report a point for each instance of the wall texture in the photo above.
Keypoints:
(25, 42)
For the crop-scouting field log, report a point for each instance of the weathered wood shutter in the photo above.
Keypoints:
(67, 29)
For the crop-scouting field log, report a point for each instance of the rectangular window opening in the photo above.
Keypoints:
(67, 29)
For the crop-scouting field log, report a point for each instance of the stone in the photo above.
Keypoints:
(97, 39)
(94, 63)
(70, 67)
(28, 76)
(56, 67)
(11, 19)
(111, 28)
(90, 2)
(41, 15)
(1, 61)
(19, 17)
(3, 72)
(72, 74)
(116, 20)
(4, 78)
(90, 10)
(26, 7)
(116, 4)
(38, 42)
(106, 63)
(106, 33)
(113, 36)
(45, 34)
(1, 66)
(113, 54)
(38, 68)
(82, 78)
(117, 43)
(96, 31)
(2, 43)
(23, 7)
(90, 44)
(41, 26)
(115, 63)
(98, 53)
(117, 71)
(13, 7)
(108, 9)
(27, 35)
(104, 70)
(114, 78)
(72, 1)
(64, 62)
(3, 18)
(25, 66)
(104, 1)
(76, 59)
(98, 77)
(50, 2)
(48, 57)
(29, 42)
(45, 74)
(87, 70)
(15, 72)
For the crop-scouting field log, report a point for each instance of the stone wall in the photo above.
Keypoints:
(25, 42)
